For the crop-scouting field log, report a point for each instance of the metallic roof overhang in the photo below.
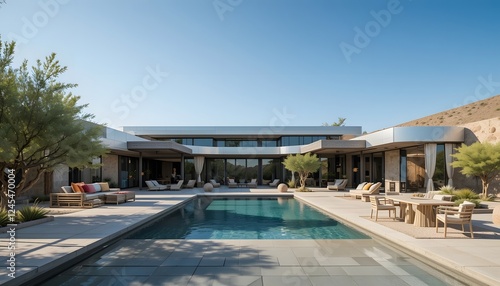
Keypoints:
(243, 132)
(160, 149)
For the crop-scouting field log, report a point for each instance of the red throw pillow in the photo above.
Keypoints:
(89, 189)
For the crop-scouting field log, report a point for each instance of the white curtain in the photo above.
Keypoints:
(430, 164)
(448, 150)
(198, 166)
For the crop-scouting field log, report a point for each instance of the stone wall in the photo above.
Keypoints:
(110, 168)
(392, 169)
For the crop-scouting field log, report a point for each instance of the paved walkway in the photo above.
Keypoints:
(50, 245)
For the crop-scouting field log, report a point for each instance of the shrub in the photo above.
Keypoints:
(475, 201)
(292, 183)
(4, 217)
(467, 194)
(29, 213)
(447, 190)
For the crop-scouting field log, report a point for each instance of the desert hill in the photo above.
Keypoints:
(480, 110)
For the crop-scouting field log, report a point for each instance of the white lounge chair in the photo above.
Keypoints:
(338, 185)
(190, 184)
(368, 190)
(231, 183)
(214, 183)
(252, 183)
(152, 187)
(274, 183)
(177, 186)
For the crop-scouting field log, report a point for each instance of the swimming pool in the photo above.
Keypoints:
(157, 261)
(247, 218)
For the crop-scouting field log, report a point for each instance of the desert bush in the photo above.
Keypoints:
(475, 201)
(29, 213)
(4, 217)
(447, 190)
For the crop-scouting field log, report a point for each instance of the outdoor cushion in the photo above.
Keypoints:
(77, 187)
(88, 188)
(104, 186)
(367, 186)
(97, 187)
(461, 206)
(374, 186)
(360, 186)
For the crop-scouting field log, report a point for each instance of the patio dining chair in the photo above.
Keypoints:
(378, 206)
(456, 215)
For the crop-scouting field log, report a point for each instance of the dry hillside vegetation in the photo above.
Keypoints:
(473, 112)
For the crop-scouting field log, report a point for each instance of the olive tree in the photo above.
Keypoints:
(480, 160)
(41, 124)
(304, 165)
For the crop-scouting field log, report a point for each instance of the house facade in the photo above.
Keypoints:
(394, 156)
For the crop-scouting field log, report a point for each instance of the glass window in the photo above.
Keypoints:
(269, 143)
(248, 143)
(189, 171)
(203, 142)
(439, 177)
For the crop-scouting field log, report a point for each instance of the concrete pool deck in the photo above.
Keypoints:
(53, 244)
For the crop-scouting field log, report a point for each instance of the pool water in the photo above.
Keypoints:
(247, 218)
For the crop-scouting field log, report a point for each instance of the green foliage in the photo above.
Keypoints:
(466, 194)
(304, 165)
(477, 202)
(447, 190)
(29, 213)
(480, 160)
(340, 122)
(41, 123)
(4, 217)
(291, 183)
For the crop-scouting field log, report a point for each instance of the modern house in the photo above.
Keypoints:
(404, 158)
(394, 156)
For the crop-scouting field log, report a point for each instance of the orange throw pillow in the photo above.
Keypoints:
(77, 187)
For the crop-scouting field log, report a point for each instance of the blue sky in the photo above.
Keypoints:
(264, 62)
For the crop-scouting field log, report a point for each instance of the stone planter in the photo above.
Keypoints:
(496, 215)
(208, 187)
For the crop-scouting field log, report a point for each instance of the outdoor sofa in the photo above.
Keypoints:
(83, 195)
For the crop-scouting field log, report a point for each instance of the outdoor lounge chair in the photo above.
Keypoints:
(190, 184)
(378, 206)
(368, 190)
(338, 185)
(153, 187)
(252, 183)
(274, 183)
(456, 215)
(214, 183)
(177, 186)
(231, 183)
